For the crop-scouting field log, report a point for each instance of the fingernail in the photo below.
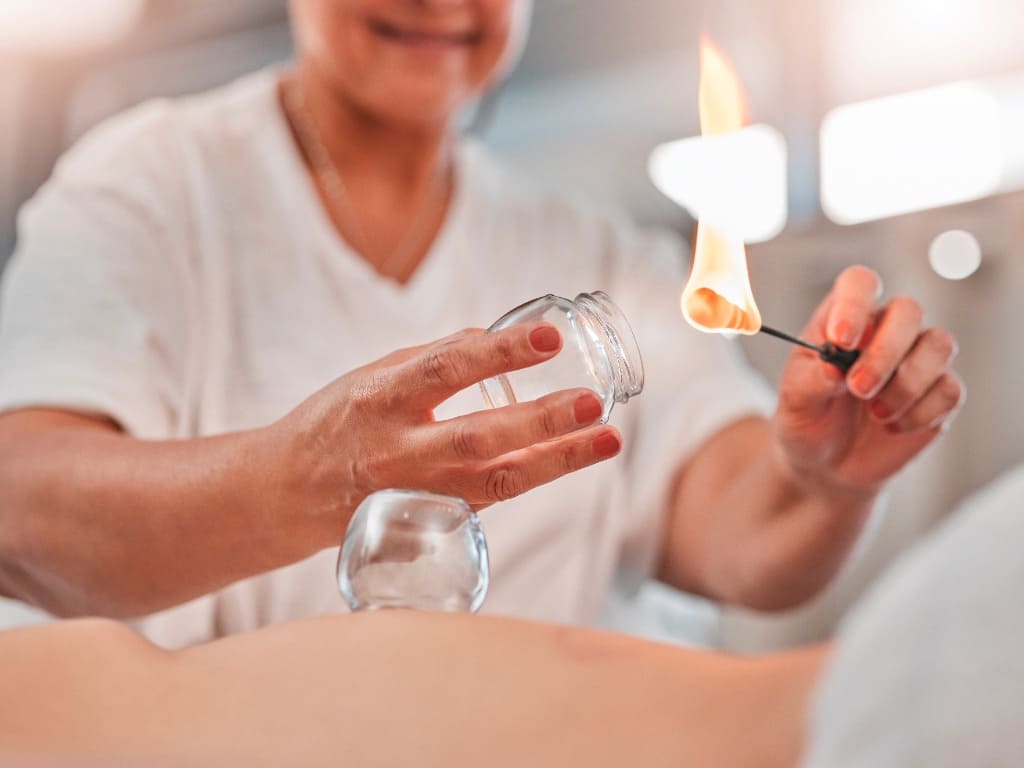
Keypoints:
(587, 409)
(845, 335)
(545, 339)
(880, 410)
(607, 445)
(864, 382)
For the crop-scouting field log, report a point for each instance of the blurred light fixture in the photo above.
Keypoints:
(60, 27)
(877, 47)
(733, 181)
(911, 152)
(955, 254)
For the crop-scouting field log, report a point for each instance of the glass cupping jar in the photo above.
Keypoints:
(599, 352)
(416, 550)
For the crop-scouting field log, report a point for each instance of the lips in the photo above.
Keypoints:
(420, 36)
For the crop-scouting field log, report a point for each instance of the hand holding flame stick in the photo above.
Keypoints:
(888, 388)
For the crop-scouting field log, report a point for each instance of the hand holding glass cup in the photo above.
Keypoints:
(425, 551)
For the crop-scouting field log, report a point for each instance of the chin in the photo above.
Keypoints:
(421, 104)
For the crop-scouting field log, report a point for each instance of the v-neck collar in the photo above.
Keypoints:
(421, 286)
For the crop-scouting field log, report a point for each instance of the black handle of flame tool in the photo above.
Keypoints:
(843, 359)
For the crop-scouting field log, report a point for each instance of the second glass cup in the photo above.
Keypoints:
(413, 549)
(599, 352)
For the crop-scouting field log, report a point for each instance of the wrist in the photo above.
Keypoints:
(814, 480)
(288, 518)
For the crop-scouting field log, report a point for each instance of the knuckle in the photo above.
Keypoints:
(905, 305)
(942, 343)
(365, 474)
(465, 333)
(504, 482)
(468, 443)
(864, 276)
(367, 393)
(505, 350)
(569, 461)
(901, 388)
(910, 423)
(547, 422)
(386, 395)
(952, 390)
(442, 367)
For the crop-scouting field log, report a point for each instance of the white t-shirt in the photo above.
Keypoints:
(930, 668)
(179, 274)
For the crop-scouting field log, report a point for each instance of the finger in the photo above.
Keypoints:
(447, 367)
(401, 355)
(893, 339)
(809, 385)
(515, 474)
(465, 333)
(490, 434)
(927, 362)
(853, 302)
(936, 409)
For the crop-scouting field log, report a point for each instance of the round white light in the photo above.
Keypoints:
(955, 255)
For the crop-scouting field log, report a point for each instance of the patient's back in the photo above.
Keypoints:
(930, 666)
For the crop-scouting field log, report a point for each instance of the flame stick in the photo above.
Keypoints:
(843, 359)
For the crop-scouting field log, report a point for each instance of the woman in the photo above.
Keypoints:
(196, 269)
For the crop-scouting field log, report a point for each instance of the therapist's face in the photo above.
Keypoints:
(414, 60)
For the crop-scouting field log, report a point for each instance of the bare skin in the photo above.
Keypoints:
(763, 515)
(470, 691)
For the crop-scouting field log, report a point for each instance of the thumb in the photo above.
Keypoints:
(809, 385)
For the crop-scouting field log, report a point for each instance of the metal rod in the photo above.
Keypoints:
(790, 339)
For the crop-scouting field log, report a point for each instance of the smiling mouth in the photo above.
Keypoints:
(418, 37)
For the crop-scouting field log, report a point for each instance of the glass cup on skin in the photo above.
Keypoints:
(415, 550)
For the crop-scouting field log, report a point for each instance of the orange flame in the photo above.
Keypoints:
(718, 297)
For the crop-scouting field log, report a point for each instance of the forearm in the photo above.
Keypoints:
(746, 529)
(466, 691)
(93, 522)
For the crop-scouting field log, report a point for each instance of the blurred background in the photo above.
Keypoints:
(900, 121)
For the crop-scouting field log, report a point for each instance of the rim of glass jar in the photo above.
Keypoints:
(624, 353)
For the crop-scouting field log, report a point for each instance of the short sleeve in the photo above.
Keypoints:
(94, 310)
(695, 385)
(928, 670)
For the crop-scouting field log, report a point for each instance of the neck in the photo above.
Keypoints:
(405, 157)
(386, 185)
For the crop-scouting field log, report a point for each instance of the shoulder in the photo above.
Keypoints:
(955, 580)
(936, 643)
(152, 138)
(969, 559)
